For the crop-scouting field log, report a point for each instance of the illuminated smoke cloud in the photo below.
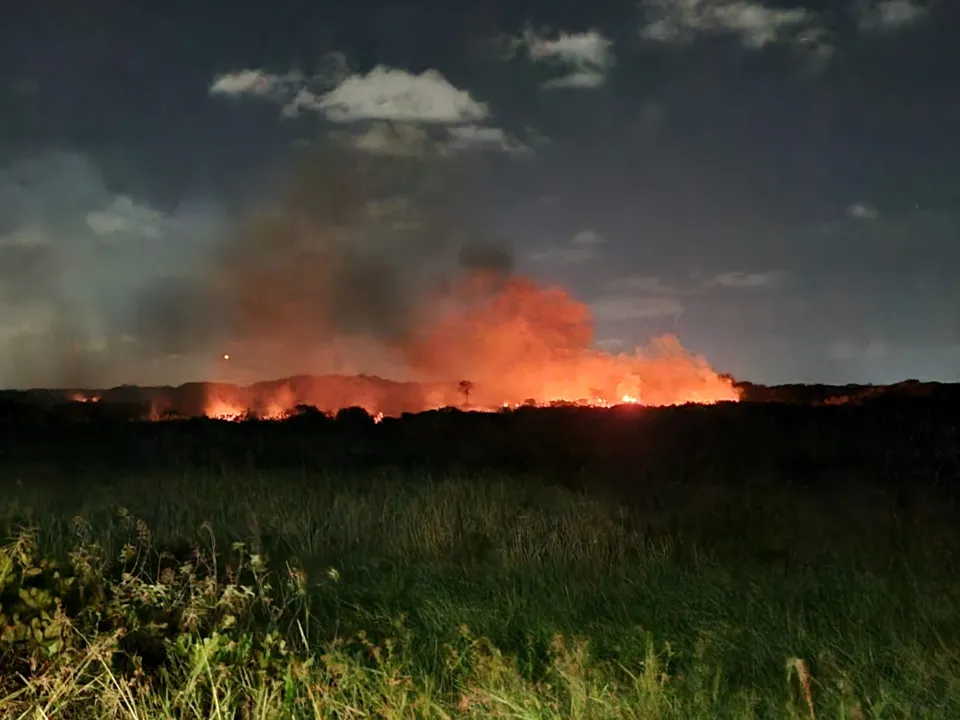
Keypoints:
(356, 265)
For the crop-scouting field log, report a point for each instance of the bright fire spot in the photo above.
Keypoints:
(81, 398)
(221, 410)
(226, 356)
(273, 412)
(280, 403)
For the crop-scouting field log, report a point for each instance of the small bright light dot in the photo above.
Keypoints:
(226, 356)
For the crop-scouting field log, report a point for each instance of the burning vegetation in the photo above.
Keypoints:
(364, 268)
(589, 378)
(351, 274)
(513, 343)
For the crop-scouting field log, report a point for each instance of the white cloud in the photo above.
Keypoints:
(255, 82)
(397, 105)
(390, 94)
(887, 15)
(738, 279)
(755, 24)
(382, 94)
(589, 49)
(863, 211)
(758, 25)
(296, 101)
(477, 137)
(584, 59)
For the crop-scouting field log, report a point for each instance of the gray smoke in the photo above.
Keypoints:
(328, 274)
(73, 256)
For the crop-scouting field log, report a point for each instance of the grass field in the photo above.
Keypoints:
(290, 595)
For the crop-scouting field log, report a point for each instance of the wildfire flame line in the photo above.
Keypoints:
(220, 409)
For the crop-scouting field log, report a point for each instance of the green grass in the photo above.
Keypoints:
(482, 597)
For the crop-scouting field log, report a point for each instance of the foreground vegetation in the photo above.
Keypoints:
(272, 595)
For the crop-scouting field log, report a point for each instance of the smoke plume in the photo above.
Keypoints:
(356, 264)
(74, 258)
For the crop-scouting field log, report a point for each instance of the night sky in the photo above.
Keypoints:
(777, 184)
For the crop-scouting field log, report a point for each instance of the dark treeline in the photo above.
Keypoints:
(390, 397)
(907, 445)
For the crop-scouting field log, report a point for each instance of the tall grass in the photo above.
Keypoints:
(383, 596)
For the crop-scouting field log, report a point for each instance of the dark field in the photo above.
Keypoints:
(758, 559)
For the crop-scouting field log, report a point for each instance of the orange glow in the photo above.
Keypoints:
(221, 410)
(81, 398)
(515, 343)
(274, 411)
(522, 341)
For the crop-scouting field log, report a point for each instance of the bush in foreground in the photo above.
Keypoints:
(205, 632)
(153, 635)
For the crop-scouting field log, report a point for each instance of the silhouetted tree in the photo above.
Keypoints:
(465, 387)
(354, 418)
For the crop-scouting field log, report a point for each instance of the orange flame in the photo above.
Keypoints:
(517, 344)
(221, 410)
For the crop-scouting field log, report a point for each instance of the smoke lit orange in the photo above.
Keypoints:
(515, 343)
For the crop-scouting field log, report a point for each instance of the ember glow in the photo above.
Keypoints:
(221, 410)
(514, 343)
